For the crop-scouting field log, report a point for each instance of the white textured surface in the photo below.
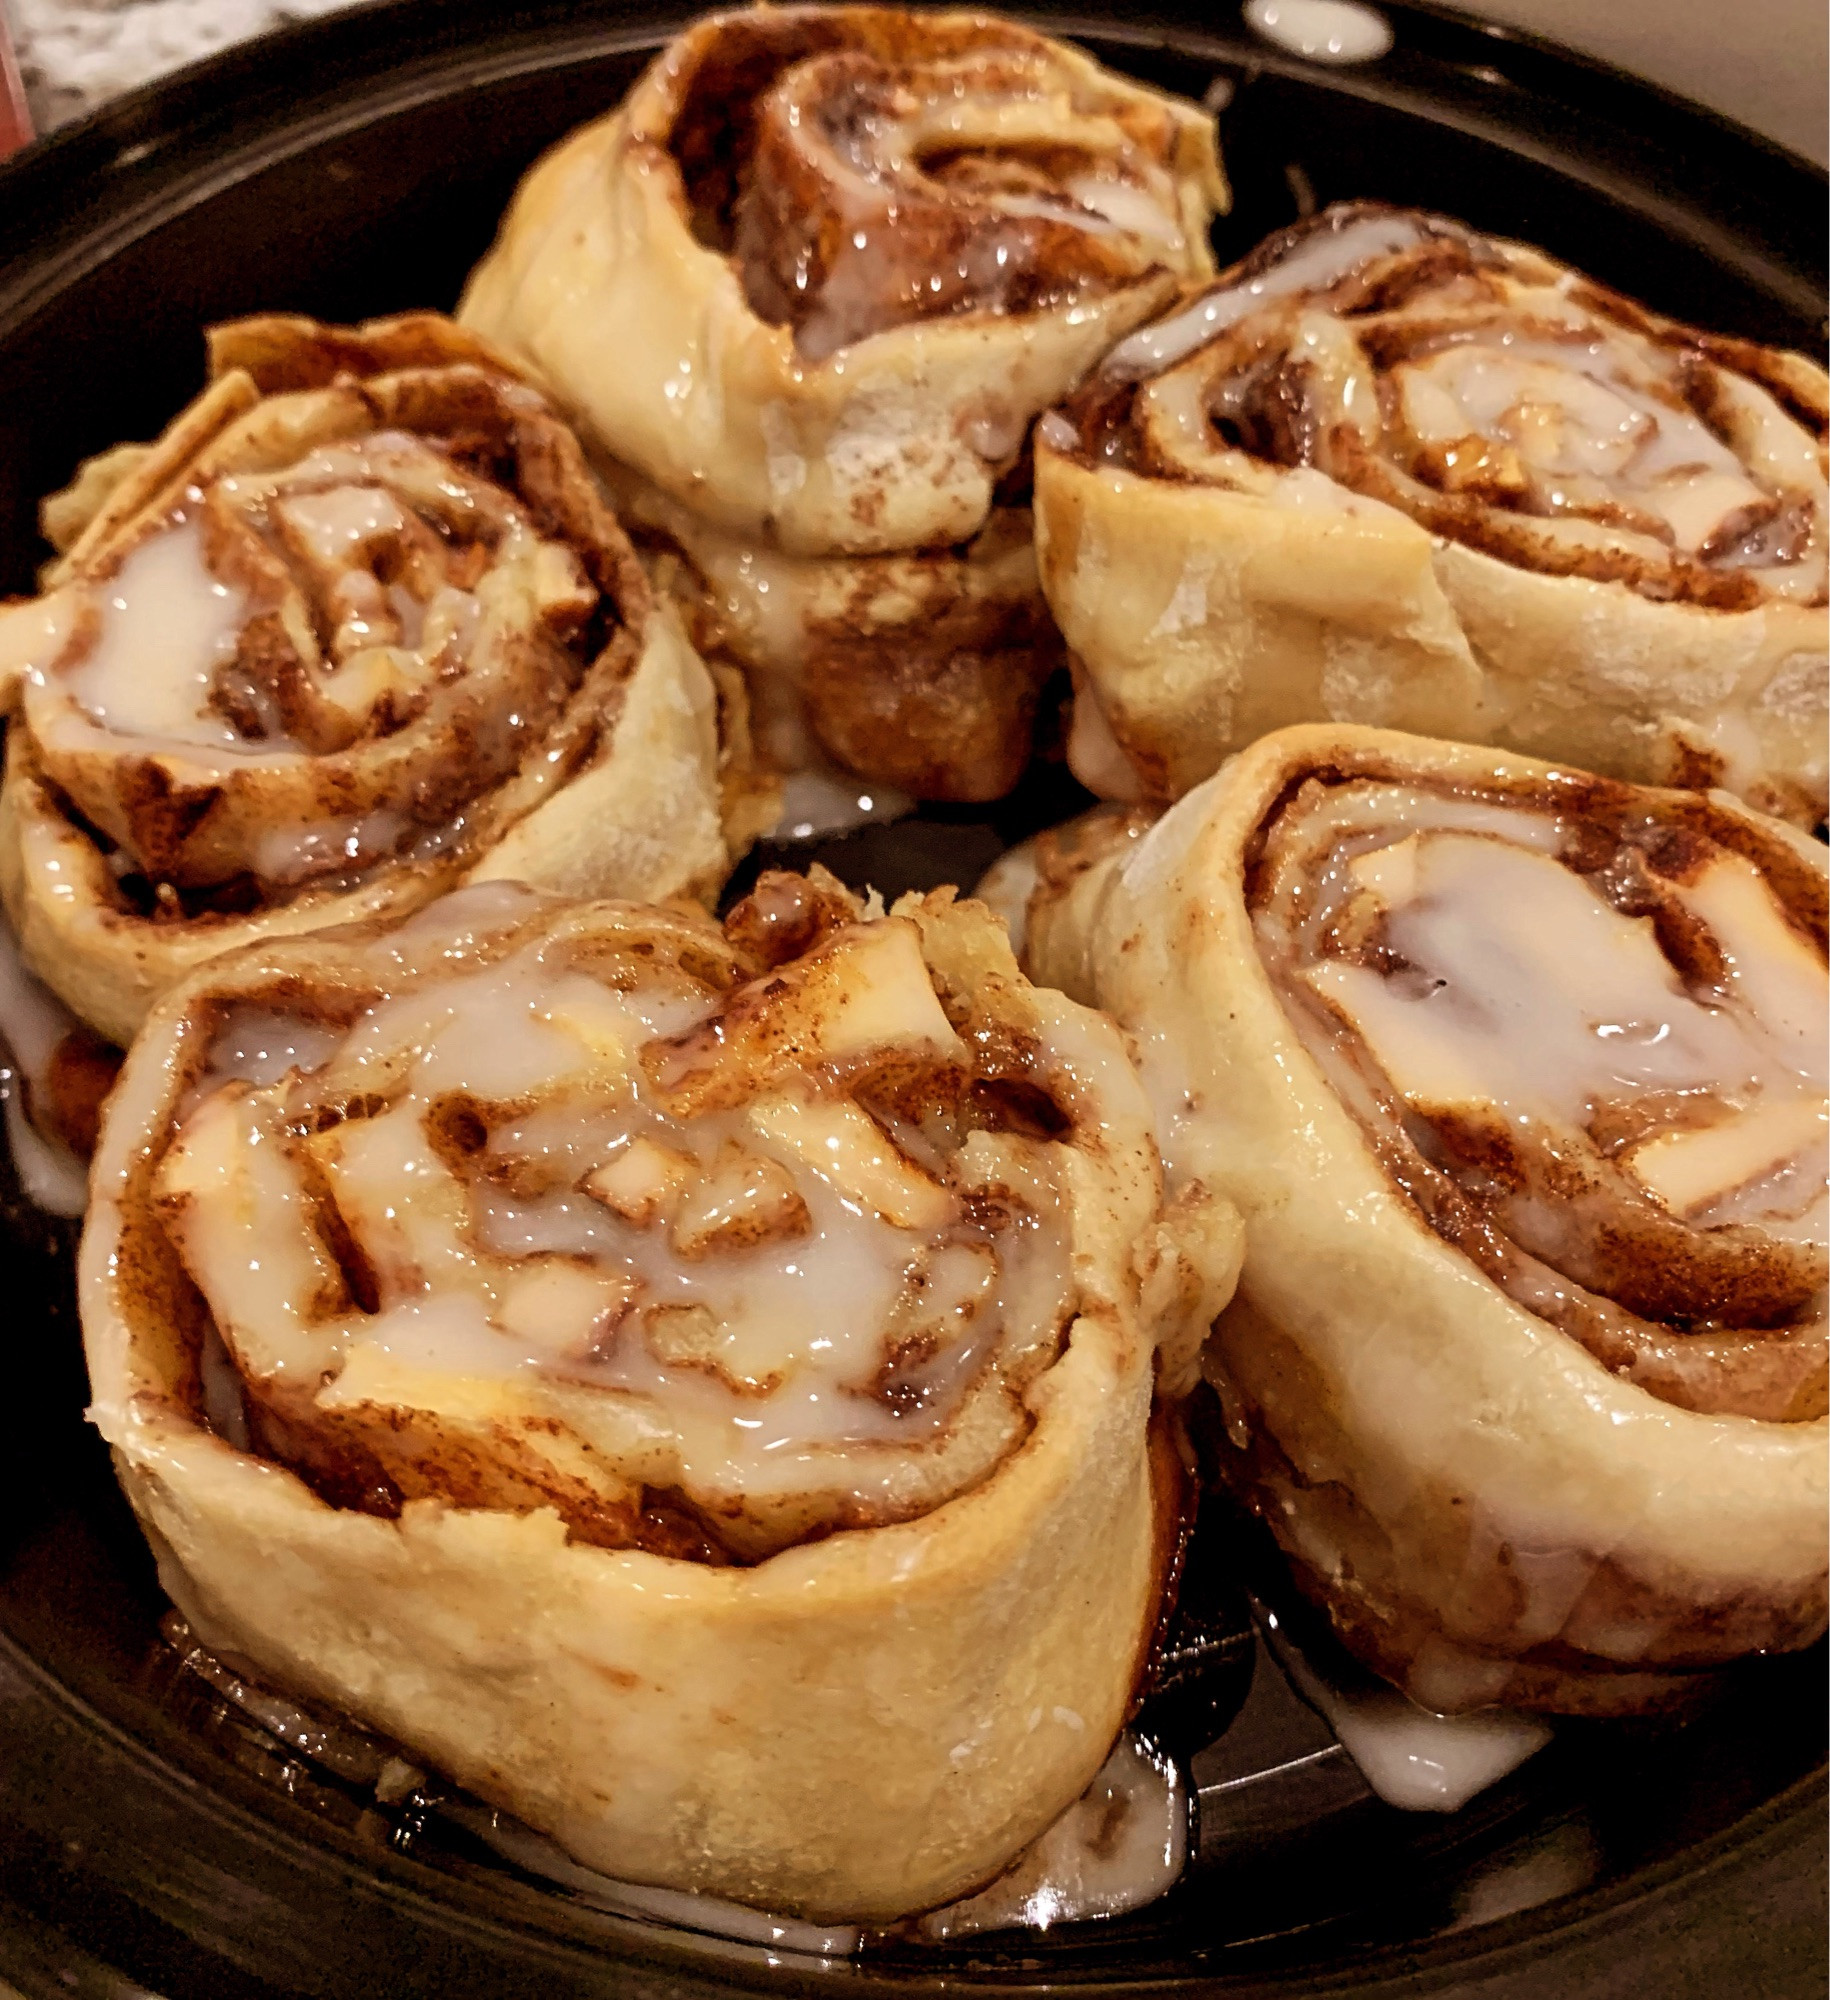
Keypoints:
(77, 54)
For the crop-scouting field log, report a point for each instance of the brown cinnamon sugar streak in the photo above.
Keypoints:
(1389, 472)
(1722, 1319)
(359, 626)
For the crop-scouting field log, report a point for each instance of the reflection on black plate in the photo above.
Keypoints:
(147, 1821)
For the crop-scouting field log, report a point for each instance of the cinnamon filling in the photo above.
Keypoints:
(1491, 397)
(325, 648)
(867, 168)
(1587, 1042)
(715, 1247)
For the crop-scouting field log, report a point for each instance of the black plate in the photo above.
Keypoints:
(149, 1837)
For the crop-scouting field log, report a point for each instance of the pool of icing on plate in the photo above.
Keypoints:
(1329, 31)
(1411, 1757)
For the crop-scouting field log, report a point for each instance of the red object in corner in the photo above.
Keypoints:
(15, 119)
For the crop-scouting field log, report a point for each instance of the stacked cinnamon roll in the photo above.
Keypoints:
(1389, 470)
(609, 1264)
(357, 628)
(806, 290)
(1518, 1077)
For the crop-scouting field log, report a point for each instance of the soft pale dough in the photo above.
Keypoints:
(1488, 1513)
(1210, 592)
(855, 1728)
(628, 785)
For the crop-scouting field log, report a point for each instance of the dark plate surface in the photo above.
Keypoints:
(150, 1838)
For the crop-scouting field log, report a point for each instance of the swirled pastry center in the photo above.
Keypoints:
(775, 1254)
(867, 170)
(1490, 395)
(1592, 1050)
(302, 669)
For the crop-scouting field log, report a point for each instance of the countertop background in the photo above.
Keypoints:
(1764, 62)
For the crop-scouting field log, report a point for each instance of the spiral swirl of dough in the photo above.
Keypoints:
(729, 1356)
(1518, 1076)
(819, 272)
(1624, 522)
(345, 630)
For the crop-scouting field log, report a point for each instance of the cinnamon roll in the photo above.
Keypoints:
(1518, 1077)
(357, 628)
(1388, 470)
(807, 288)
(696, 1385)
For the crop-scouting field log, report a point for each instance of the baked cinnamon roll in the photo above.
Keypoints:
(808, 287)
(1388, 470)
(357, 628)
(696, 1384)
(920, 671)
(1518, 1077)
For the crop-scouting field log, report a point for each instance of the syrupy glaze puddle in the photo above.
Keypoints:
(1119, 1848)
(1116, 1849)
(1411, 1757)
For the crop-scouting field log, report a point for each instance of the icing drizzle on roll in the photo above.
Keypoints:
(1587, 1041)
(866, 168)
(1492, 395)
(712, 1246)
(323, 640)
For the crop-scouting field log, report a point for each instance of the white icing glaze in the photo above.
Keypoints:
(1327, 31)
(336, 522)
(1126, 206)
(1412, 1758)
(260, 1045)
(1319, 261)
(756, 1358)
(1587, 425)
(166, 625)
(288, 854)
(1530, 992)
